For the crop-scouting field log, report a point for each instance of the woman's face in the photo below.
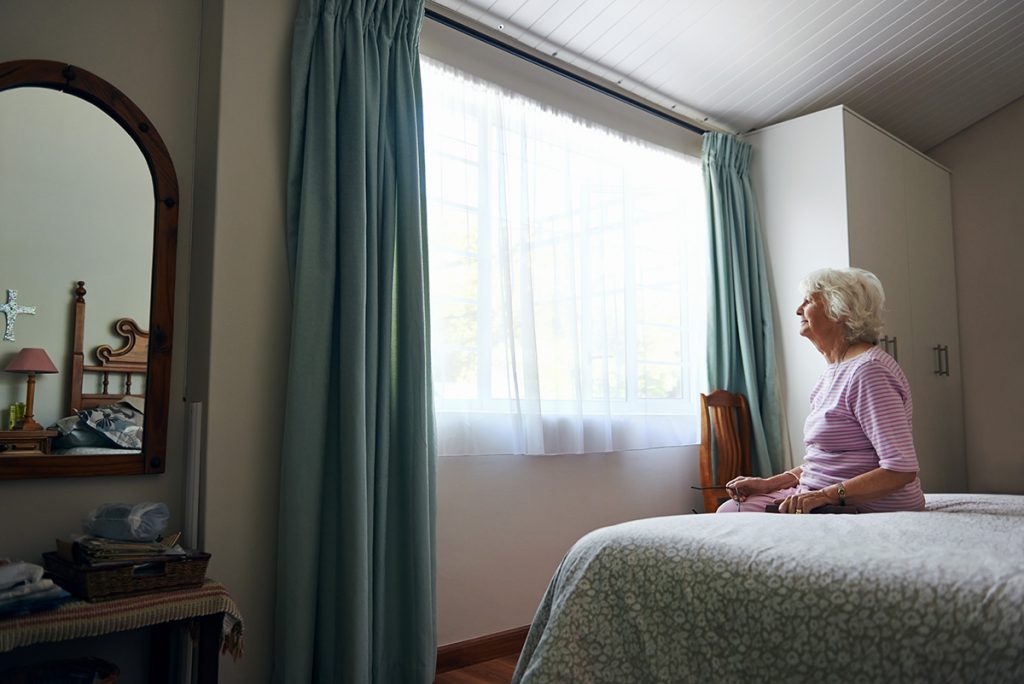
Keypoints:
(815, 324)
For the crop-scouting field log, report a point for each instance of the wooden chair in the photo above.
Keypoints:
(724, 417)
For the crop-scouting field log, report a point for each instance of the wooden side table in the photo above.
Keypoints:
(210, 607)
(26, 442)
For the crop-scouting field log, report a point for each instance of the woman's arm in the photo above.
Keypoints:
(873, 484)
(741, 487)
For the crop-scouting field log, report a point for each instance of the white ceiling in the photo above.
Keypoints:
(921, 69)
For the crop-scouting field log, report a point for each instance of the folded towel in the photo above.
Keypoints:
(23, 590)
(42, 600)
(14, 572)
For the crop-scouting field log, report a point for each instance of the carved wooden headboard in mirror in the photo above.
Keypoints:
(79, 83)
(131, 359)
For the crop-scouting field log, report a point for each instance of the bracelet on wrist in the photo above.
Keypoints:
(841, 491)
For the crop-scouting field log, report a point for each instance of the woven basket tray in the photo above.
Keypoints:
(129, 579)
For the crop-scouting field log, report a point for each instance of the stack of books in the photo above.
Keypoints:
(98, 552)
(97, 568)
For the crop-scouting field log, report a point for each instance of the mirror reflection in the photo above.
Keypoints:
(76, 204)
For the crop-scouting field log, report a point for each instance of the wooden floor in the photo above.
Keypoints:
(497, 671)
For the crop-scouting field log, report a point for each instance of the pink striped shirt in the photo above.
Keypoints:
(861, 419)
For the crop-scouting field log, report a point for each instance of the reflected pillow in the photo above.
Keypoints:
(82, 437)
(120, 423)
(75, 433)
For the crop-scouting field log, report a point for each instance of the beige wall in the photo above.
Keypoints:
(988, 228)
(241, 273)
(148, 49)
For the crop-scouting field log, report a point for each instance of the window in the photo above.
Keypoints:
(567, 276)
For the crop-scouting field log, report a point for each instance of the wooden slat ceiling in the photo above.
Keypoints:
(921, 69)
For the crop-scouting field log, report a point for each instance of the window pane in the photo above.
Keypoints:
(659, 381)
(567, 279)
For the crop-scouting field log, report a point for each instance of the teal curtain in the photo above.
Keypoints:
(356, 532)
(741, 340)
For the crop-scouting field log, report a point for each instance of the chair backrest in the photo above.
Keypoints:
(724, 417)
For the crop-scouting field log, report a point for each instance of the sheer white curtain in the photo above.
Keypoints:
(567, 278)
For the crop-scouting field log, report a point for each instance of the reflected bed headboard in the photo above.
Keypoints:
(124, 364)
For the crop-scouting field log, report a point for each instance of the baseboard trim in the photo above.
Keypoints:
(480, 649)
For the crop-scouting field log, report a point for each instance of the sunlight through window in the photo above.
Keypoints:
(567, 278)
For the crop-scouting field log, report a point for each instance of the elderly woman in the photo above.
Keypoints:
(858, 438)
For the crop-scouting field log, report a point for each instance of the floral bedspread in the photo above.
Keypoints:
(894, 597)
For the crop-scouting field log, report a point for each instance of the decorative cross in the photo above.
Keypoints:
(11, 309)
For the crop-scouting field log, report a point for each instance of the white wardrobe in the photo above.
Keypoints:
(835, 190)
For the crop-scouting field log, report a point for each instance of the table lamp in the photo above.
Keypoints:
(30, 361)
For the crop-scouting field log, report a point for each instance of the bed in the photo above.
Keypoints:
(106, 402)
(928, 596)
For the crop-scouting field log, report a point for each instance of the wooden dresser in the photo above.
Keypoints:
(26, 442)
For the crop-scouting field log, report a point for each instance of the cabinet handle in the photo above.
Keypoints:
(888, 345)
(941, 359)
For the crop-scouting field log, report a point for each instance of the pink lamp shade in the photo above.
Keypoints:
(31, 360)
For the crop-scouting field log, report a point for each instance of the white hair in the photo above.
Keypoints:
(853, 297)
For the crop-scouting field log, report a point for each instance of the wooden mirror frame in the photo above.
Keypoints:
(81, 83)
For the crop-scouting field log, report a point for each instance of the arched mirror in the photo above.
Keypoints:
(89, 215)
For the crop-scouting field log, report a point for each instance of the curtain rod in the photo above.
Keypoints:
(554, 68)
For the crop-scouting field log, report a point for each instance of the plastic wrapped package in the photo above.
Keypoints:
(142, 522)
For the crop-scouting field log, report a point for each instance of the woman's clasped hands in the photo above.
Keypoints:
(740, 488)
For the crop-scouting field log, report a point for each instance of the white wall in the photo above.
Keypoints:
(504, 523)
(149, 50)
(988, 231)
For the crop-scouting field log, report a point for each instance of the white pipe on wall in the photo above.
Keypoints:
(191, 522)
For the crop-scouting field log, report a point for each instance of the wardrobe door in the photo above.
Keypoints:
(935, 374)
(799, 173)
(876, 208)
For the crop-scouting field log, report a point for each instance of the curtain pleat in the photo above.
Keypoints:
(741, 339)
(356, 533)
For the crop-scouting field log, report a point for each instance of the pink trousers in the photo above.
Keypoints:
(757, 502)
